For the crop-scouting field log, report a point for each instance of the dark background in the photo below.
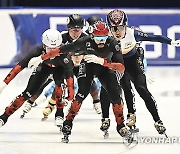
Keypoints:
(92, 3)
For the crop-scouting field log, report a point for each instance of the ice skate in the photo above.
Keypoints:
(47, 111)
(59, 122)
(26, 109)
(3, 119)
(97, 107)
(67, 127)
(1, 123)
(160, 127)
(130, 122)
(105, 126)
(126, 134)
(44, 118)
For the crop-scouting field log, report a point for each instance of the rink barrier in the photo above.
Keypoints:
(22, 28)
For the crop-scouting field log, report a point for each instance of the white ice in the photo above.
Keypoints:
(31, 136)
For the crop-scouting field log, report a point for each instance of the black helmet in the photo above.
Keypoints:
(91, 20)
(78, 53)
(75, 20)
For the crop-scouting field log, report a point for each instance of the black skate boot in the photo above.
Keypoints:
(160, 127)
(3, 119)
(105, 126)
(66, 130)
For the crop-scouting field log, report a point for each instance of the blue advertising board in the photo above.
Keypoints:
(21, 30)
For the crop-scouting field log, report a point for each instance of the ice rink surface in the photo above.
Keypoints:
(32, 136)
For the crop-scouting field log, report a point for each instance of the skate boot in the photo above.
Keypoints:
(67, 127)
(131, 121)
(47, 111)
(160, 127)
(59, 122)
(105, 126)
(125, 133)
(97, 107)
(26, 109)
(3, 119)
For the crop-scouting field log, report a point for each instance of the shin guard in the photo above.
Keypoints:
(118, 112)
(15, 105)
(75, 106)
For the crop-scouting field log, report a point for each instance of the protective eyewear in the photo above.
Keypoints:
(115, 28)
(100, 38)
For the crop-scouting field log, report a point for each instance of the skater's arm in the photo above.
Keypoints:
(71, 47)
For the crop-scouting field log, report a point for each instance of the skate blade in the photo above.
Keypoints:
(131, 142)
(60, 129)
(44, 118)
(65, 139)
(106, 134)
(22, 116)
(134, 130)
(1, 123)
(166, 135)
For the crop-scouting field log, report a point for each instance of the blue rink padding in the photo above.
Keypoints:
(29, 24)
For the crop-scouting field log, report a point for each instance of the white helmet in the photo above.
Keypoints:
(52, 38)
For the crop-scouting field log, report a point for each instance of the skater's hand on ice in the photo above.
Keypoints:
(93, 59)
(175, 43)
(2, 86)
(34, 62)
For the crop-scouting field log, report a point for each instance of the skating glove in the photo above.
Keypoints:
(2, 86)
(175, 43)
(34, 62)
(93, 59)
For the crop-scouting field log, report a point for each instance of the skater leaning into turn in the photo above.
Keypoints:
(127, 37)
(59, 67)
(99, 48)
(74, 31)
(125, 83)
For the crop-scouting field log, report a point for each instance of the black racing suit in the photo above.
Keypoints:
(104, 73)
(59, 67)
(134, 71)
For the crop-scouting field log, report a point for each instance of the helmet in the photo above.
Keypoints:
(52, 38)
(75, 20)
(78, 53)
(99, 28)
(117, 18)
(91, 20)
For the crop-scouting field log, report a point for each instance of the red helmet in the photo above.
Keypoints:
(99, 28)
(116, 18)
